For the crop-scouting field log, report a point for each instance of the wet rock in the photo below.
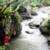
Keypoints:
(49, 42)
(22, 9)
(25, 16)
(34, 13)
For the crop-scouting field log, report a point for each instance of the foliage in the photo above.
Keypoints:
(36, 2)
(46, 2)
(40, 2)
(8, 18)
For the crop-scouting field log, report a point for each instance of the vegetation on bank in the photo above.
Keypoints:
(10, 17)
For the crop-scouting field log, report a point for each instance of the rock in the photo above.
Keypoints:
(33, 13)
(25, 16)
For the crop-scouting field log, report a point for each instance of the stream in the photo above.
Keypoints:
(31, 37)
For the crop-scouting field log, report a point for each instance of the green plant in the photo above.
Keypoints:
(9, 20)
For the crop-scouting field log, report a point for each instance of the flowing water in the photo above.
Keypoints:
(30, 38)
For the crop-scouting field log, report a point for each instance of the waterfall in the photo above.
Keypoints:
(32, 41)
(31, 37)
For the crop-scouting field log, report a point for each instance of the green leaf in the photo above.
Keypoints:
(8, 10)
